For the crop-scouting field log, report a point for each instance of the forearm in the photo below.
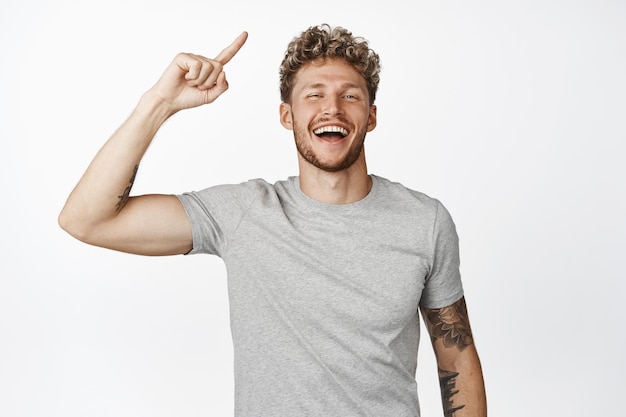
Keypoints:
(462, 386)
(460, 372)
(104, 188)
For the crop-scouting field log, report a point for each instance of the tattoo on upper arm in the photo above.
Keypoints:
(451, 324)
(126, 194)
(447, 382)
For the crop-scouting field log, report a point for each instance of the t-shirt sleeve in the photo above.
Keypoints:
(214, 214)
(443, 284)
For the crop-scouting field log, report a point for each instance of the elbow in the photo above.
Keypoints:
(71, 224)
(67, 223)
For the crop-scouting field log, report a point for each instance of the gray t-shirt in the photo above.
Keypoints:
(324, 298)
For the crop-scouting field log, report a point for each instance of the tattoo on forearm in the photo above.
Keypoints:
(447, 382)
(126, 194)
(450, 324)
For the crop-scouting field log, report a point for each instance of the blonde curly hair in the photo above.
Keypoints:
(322, 42)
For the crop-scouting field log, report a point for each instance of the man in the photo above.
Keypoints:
(327, 270)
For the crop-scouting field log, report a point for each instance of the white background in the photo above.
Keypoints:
(511, 113)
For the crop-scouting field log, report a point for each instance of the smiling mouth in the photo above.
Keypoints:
(330, 132)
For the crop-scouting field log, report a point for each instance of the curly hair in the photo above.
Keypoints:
(321, 42)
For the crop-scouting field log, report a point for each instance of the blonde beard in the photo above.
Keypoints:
(309, 155)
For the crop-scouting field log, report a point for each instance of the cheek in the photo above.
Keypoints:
(303, 112)
(300, 131)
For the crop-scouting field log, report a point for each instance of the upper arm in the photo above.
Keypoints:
(147, 225)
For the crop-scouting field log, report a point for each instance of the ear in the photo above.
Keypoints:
(371, 122)
(285, 116)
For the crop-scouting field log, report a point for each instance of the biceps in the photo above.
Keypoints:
(148, 225)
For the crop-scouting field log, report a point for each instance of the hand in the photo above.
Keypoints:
(193, 80)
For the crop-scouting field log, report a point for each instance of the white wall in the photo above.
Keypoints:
(511, 113)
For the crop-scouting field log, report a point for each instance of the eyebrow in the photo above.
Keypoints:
(344, 86)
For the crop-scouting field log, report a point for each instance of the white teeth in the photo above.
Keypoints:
(331, 129)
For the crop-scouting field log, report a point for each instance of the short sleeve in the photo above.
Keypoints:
(214, 214)
(443, 284)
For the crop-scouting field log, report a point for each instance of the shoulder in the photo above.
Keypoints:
(423, 208)
(238, 196)
(250, 189)
(398, 194)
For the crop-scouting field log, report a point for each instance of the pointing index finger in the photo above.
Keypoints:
(229, 52)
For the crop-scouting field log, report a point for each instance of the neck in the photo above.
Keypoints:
(342, 187)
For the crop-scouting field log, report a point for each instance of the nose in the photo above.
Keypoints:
(332, 106)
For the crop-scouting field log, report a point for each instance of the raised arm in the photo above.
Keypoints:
(460, 372)
(100, 210)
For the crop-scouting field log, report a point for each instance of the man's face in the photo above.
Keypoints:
(329, 114)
